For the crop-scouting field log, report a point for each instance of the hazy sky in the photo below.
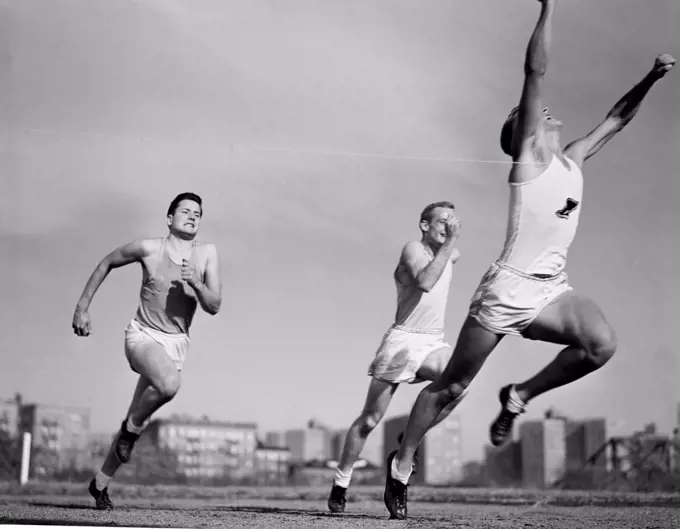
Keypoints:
(109, 109)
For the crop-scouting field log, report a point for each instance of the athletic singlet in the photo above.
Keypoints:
(166, 303)
(423, 311)
(542, 221)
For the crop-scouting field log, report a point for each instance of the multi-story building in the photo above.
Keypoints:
(585, 440)
(337, 444)
(440, 459)
(372, 452)
(276, 439)
(272, 465)
(10, 447)
(373, 449)
(208, 449)
(543, 452)
(392, 428)
(312, 443)
(503, 464)
(9, 419)
(59, 436)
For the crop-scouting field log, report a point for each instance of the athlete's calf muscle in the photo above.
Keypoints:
(576, 320)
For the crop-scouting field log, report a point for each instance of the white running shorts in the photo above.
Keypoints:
(507, 300)
(402, 352)
(138, 336)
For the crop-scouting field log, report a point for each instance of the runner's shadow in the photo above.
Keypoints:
(310, 513)
(75, 523)
(60, 505)
(295, 512)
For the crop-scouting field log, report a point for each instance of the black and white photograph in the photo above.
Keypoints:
(340, 263)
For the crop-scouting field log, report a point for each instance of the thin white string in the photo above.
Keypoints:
(292, 150)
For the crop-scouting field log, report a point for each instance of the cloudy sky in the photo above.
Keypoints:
(316, 131)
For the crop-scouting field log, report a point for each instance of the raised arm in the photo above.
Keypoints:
(421, 270)
(530, 110)
(128, 253)
(620, 115)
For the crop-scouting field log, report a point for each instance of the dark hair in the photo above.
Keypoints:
(426, 215)
(184, 196)
(507, 131)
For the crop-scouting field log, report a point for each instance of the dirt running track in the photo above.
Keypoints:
(299, 514)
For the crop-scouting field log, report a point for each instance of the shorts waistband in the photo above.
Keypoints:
(417, 331)
(145, 328)
(520, 273)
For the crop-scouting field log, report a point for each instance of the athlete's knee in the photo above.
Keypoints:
(449, 392)
(368, 421)
(168, 386)
(600, 344)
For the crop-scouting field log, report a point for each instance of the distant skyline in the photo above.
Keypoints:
(111, 109)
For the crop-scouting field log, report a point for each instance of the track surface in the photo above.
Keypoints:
(70, 510)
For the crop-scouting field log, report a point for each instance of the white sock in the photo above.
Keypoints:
(342, 479)
(132, 428)
(514, 403)
(101, 481)
(394, 471)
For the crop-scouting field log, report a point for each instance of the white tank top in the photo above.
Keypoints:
(542, 219)
(423, 311)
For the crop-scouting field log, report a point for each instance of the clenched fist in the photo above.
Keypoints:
(452, 228)
(82, 325)
(190, 273)
(663, 64)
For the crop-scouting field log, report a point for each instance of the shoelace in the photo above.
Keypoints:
(505, 420)
(105, 498)
(402, 491)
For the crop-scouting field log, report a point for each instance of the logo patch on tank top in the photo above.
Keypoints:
(570, 206)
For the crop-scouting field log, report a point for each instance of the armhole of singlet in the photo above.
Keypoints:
(194, 258)
(520, 184)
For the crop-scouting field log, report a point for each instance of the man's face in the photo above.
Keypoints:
(435, 229)
(186, 219)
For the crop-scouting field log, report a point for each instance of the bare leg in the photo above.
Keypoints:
(432, 369)
(472, 349)
(112, 463)
(163, 380)
(158, 383)
(570, 320)
(580, 324)
(377, 400)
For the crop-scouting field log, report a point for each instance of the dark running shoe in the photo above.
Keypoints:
(415, 454)
(101, 497)
(125, 443)
(501, 428)
(337, 500)
(396, 493)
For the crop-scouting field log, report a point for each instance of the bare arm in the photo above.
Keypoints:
(124, 255)
(620, 115)
(530, 111)
(426, 273)
(209, 291)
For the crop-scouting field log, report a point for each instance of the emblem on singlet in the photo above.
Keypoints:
(570, 206)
